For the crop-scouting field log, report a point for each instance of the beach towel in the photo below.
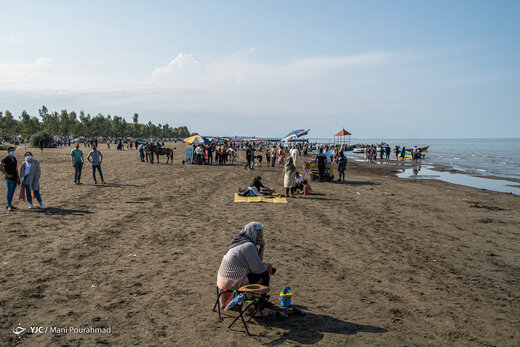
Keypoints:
(239, 198)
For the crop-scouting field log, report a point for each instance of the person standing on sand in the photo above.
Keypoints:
(289, 181)
(328, 154)
(198, 154)
(322, 161)
(9, 168)
(249, 158)
(281, 156)
(342, 165)
(40, 143)
(273, 156)
(96, 158)
(403, 153)
(387, 150)
(141, 152)
(76, 156)
(30, 173)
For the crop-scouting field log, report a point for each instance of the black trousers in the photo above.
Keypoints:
(249, 164)
(321, 171)
(77, 172)
(262, 278)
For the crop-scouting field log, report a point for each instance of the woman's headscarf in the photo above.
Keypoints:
(294, 154)
(289, 166)
(256, 179)
(251, 232)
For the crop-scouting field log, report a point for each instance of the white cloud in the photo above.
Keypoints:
(16, 76)
(240, 84)
(181, 61)
(10, 39)
(241, 71)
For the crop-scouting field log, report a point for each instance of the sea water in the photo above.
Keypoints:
(479, 157)
(426, 172)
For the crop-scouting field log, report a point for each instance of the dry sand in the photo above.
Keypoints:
(376, 261)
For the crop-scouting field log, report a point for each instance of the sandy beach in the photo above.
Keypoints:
(378, 261)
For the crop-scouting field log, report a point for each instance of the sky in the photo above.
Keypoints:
(389, 69)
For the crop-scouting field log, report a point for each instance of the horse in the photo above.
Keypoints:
(153, 149)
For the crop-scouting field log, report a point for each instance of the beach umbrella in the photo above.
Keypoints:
(197, 140)
(295, 133)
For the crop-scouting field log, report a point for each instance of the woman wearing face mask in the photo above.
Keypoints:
(30, 173)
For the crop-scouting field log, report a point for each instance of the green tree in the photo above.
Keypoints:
(9, 125)
(65, 124)
(28, 125)
(41, 135)
(51, 123)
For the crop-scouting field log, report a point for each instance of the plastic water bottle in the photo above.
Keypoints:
(235, 301)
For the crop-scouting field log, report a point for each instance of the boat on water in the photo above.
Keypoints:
(422, 149)
(407, 154)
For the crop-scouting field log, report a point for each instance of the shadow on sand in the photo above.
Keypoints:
(361, 183)
(56, 211)
(309, 329)
(114, 185)
(310, 197)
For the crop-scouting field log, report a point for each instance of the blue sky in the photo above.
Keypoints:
(389, 69)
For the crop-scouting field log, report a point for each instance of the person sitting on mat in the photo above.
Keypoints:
(243, 262)
(257, 183)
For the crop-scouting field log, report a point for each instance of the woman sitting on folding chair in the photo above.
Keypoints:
(243, 262)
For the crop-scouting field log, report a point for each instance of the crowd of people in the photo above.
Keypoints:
(383, 151)
(214, 153)
(276, 155)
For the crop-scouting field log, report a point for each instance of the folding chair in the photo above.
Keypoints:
(259, 303)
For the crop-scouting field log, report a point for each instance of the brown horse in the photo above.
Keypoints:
(160, 151)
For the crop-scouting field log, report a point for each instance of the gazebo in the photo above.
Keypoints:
(342, 137)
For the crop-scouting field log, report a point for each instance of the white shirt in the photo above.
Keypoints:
(329, 155)
(198, 150)
(27, 168)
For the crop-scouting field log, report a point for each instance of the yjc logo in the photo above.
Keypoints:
(18, 330)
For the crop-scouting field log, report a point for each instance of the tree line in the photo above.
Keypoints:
(70, 124)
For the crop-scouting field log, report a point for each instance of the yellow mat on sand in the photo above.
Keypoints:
(239, 198)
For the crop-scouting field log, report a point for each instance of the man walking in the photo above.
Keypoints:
(8, 167)
(321, 158)
(249, 158)
(76, 156)
(96, 158)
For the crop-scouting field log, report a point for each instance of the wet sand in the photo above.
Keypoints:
(376, 261)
